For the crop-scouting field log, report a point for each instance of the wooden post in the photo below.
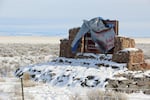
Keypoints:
(22, 89)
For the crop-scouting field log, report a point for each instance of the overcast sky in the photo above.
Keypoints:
(60, 15)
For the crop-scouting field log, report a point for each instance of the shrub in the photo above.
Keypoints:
(26, 76)
(95, 94)
(27, 82)
(101, 95)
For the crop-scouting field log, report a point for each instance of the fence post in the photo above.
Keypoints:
(22, 89)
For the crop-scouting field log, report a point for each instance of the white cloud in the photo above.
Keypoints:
(69, 13)
(69, 8)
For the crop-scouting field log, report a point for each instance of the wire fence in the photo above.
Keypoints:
(13, 91)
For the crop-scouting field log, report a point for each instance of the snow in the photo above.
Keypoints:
(73, 72)
(139, 96)
(48, 92)
(118, 78)
(129, 49)
(147, 73)
(63, 78)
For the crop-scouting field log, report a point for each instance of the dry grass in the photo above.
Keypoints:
(15, 55)
(29, 83)
(122, 96)
(26, 76)
(95, 94)
(101, 95)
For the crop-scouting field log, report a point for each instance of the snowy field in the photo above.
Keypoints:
(52, 78)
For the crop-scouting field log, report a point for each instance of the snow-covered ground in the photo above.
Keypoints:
(69, 77)
(55, 78)
(48, 92)
(74, 72)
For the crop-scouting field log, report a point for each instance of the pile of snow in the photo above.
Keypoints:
(84, 72)
(129, 49)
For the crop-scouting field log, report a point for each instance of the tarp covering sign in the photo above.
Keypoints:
(102, 34)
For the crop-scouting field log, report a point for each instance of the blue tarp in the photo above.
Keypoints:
(102, 36)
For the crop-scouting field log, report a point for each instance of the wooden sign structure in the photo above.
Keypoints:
(85, 46)
(89, 45)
